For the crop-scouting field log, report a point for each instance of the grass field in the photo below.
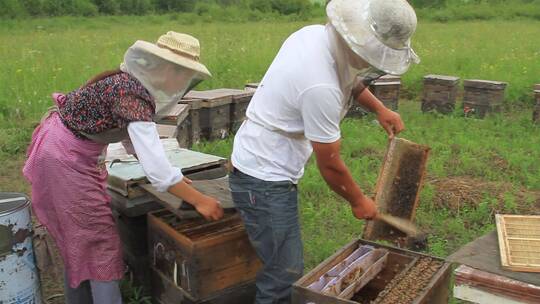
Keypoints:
(476, 167)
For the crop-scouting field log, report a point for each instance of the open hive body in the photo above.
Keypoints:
(392, 275)
(198, 261)
(483, 96)
(440, 93)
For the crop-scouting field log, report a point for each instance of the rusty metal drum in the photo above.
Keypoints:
(19, 281)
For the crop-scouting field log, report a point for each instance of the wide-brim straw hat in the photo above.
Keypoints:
(181, 49)
(379, 31)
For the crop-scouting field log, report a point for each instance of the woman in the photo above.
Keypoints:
(65, 159)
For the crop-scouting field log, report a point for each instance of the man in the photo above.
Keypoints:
(297, 110)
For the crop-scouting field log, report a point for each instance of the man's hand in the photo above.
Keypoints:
(364, 208)
(391, 122)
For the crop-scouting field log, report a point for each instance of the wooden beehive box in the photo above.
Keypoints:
(387, 89)
(536, 111)
(252, 86)
(203, 259)
(407, 277)
(214, 111)
(440, 93)
(483, 96)
(239, 105)
(398, 188)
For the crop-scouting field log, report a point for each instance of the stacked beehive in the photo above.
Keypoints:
(440, 93)
(536, 113)
(219, 111)
(386, 89)
(483, 96)
(130, 203)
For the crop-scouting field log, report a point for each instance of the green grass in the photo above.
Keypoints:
(41, 56)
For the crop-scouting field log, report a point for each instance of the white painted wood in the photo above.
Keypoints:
(478, 296)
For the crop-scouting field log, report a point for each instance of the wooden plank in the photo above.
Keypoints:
(496, 285)
(398, 187)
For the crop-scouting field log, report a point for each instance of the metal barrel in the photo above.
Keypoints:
(19, 281)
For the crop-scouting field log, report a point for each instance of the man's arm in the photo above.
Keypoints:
(389, 120)
(339, 178)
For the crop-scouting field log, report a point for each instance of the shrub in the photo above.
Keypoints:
(11, 9)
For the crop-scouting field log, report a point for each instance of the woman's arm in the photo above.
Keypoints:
(162, 175)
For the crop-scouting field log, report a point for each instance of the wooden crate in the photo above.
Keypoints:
(440, 93)
(483, 96)
(519, 242)
(167, 292)
(202, 258)
(536, 111)
(239, 105)
(399, 263)
(386, 89)
(214, 113)
(398, 189)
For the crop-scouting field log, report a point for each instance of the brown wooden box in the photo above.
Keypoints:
(399, 261)
(202, 258)
(536, 112)
(166, 291)
(239, 105)
(440, 93)
(483, 96)
(386, 89)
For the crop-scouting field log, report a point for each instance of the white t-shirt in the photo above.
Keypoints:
(299, 95)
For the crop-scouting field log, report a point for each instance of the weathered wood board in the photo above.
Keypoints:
(398, 187)
(483, 287)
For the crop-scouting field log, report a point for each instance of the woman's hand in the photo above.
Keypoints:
(209, 208)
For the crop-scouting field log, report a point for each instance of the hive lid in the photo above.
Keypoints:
(11, 202)
(389, 78)
(536, 87)
(442, 79)
(216, 97)
(485, 84)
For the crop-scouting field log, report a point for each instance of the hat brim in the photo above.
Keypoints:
(174, 58)
(365, 44)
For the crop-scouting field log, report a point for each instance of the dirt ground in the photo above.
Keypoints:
(462, 191)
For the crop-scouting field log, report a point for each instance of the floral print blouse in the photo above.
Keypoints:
(110, 103)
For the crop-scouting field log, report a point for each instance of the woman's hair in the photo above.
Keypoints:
(102, 76)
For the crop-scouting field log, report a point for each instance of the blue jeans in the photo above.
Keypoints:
(270, 214)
